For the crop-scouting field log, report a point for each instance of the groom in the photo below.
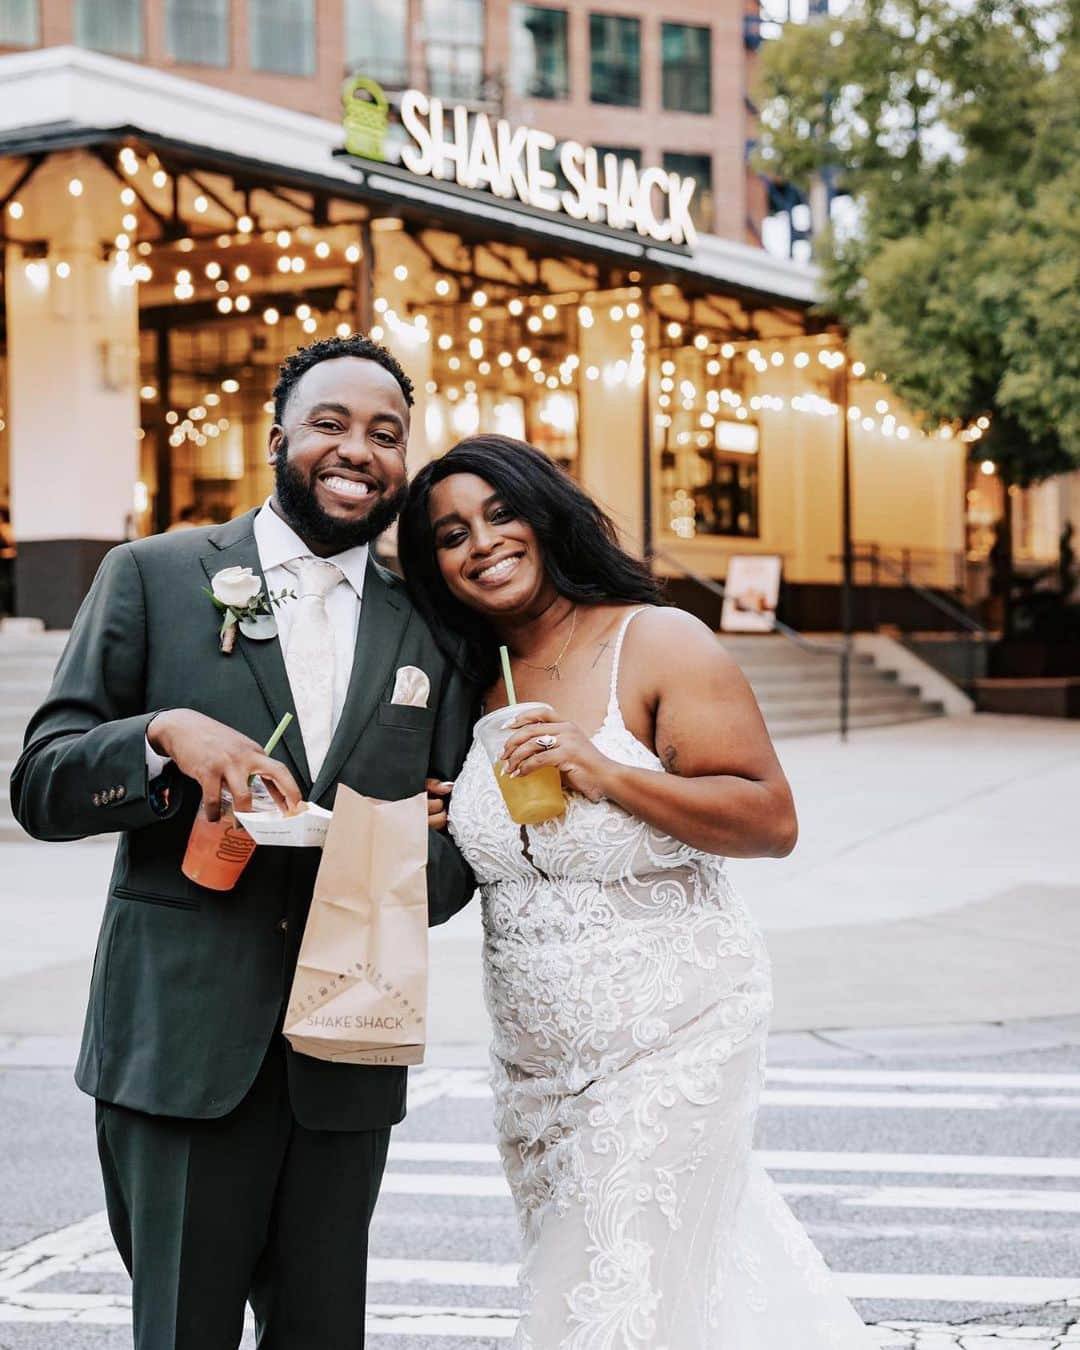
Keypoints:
(234, 1168)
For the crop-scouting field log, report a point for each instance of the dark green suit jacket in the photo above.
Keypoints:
(189, 984)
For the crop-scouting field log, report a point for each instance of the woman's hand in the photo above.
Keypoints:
(582, 766)
(437, 804)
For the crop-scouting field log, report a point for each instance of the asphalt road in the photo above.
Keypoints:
(936, 1171)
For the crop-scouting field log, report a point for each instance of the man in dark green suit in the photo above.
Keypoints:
(234, 1168)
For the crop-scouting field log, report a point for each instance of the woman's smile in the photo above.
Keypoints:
(497, 573)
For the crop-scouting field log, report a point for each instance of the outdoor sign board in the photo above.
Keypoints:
(472, 150)
(751, 593)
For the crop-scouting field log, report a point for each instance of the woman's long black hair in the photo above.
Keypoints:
(577, 539)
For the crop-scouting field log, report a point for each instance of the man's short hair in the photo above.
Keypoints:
(329, 349)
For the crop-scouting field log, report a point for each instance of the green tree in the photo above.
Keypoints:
(956, 133)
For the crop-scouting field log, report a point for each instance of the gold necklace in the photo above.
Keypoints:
(552, 670)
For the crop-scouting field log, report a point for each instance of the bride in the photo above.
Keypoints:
(628, 986)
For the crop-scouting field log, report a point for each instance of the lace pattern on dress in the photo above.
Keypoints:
(629, 992)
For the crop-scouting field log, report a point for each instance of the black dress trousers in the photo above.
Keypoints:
(209, 1214)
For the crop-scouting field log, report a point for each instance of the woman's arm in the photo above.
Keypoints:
(724, 791)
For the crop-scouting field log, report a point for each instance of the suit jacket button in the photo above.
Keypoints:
(96, 798)
(284, 925)
(121, 793)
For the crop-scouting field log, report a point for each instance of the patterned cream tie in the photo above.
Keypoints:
(309, 660)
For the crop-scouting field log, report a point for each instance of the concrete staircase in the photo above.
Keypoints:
(26, 667)
(799, 691)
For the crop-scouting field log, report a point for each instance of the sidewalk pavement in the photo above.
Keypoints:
(936, 881)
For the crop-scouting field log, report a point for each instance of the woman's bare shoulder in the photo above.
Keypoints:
(674, 632)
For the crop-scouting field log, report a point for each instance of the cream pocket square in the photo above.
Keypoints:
(411, 687)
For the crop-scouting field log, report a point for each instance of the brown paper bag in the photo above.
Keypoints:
(359, 995)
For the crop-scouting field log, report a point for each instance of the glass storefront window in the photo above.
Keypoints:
(454, 43)
(197, 31)
(687, 50)
(113, 26)
(698, 167)
(19, 23)
(377, 40)
(282, 36)
(615, 60)
(708, 441)
(539, 52)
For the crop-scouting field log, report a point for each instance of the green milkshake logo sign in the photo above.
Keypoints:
(367, 115)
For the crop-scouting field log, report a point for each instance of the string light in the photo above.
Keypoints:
(401, 272)
(442, 286)
(245, 224)
(75, 187)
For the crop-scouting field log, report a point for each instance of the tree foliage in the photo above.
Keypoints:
(956, 133)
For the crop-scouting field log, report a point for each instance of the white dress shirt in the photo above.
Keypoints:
(278, 543)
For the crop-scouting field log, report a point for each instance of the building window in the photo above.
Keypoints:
(630, 152)
(454, 43)
(377, 40)
(283, 36)
(687, 52)
(539, 52)
(198, 31)
(698, 167)
(19, 23)
(110, 26)
(615, 60)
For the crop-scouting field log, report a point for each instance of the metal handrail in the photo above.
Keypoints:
(951, 611)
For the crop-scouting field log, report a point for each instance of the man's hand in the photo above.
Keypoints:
(215, 755)
(436, 803)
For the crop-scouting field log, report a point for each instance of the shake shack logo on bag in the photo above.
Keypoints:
(359, 995)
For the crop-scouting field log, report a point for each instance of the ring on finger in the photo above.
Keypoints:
(547, 742)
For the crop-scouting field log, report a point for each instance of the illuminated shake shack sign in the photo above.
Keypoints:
(515, 163)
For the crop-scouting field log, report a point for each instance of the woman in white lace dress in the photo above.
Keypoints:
(628, 986)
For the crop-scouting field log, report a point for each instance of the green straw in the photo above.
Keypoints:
(271, 744)
(504, 657)
(279, 731)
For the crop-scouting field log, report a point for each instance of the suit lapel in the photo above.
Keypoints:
(234, 546)
(384, 616)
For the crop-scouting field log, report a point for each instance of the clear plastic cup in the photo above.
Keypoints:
(534, 797)
(219, 850)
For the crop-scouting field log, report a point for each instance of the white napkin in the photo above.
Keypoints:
(304, 830)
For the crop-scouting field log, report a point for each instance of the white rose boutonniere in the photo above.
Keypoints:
(237, 593)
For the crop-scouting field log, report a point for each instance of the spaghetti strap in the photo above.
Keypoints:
(613, 695)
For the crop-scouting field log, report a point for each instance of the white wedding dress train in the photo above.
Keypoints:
(629, 992)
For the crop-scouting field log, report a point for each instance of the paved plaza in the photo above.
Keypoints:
(921, 1113)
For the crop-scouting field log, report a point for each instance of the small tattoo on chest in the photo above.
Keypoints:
(601, 649)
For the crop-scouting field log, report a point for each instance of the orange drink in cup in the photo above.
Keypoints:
(219, 850)
(534, 797)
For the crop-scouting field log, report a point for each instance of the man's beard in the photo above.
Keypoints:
(316, 527)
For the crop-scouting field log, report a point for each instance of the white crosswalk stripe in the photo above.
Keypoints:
(460, 1299)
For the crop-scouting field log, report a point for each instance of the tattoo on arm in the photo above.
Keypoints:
(670, 759)
(600, 650)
